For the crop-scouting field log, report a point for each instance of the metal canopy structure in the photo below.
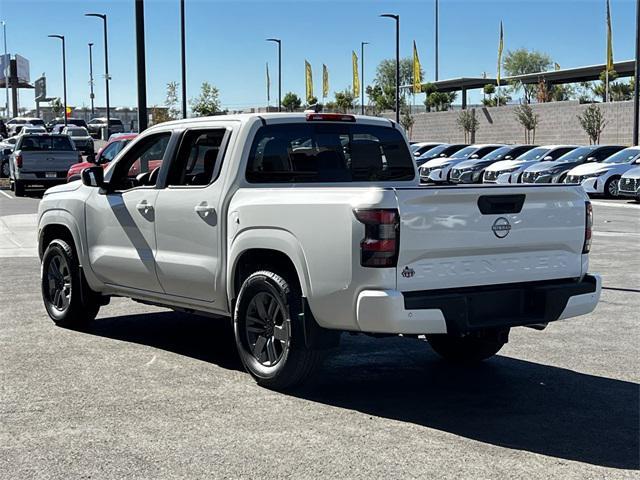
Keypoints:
(553, 77)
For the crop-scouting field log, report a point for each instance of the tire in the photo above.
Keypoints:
(67, 298)
(468, 349)
(611, 187)
(269, 333)
(5, 169)
(18, 188)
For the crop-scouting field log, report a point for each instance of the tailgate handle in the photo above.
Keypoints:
(500, 204)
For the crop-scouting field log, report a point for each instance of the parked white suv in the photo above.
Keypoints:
(604, 177)
(300, 227)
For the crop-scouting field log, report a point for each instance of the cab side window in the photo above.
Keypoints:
(141, 165)
(198, 160)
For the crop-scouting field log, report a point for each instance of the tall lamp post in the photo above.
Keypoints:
(106, 63)
(6, 68)
(637, 77)
(362, 44)
(279, 42)
(397, 19)
(184, 61)
(64, 75)
(91, 95)
(437, 18)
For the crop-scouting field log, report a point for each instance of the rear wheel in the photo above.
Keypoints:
(18, 188)
(269, 332)
(4, 169)
(467, 349)
(611, 187)
(67, 298)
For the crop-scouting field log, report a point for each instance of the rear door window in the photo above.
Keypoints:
(328, 152)
(41, 142)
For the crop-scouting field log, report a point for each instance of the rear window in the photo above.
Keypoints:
(29, 144)
(36, 121)
(316, 153)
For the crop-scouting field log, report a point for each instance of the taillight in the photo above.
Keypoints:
(588, 227)
(19, 161)
(379, 247)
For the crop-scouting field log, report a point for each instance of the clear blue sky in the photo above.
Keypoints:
(225, 40)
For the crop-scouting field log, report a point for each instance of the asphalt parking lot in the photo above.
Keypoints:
(148, 393)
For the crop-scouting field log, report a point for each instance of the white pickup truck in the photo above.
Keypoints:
(303, 226)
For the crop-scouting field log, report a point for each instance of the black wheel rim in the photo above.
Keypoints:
(267, 329)
(5, 169)
(58, 283)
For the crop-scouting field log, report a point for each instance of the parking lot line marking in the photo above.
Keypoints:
(6, 195)
(616, 205)
(616, 234)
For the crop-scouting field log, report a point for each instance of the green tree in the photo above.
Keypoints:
(159, 115)
(407, 120)
(383, 90)
(208, 102)
(171, 101)
(57, 107)
(618, 91)
(440, 101)
(468, 123)
(344, 100)
(291, 102)
(523, 61)
(592, 122)
(529, 120)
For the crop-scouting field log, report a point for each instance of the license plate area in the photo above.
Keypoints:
(51, 175)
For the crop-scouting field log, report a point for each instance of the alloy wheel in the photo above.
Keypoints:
(58, 283)
(613, 187)
(267, 329)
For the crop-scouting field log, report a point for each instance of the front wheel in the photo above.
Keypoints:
(269, 332)
(5, 170)
(467, 349)
(611, 187)
(67, 298)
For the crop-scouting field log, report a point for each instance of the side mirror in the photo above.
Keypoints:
(548, 158)
(637, 162)
(591, 159)
(93, 177)
(442, 155)
(508, 157)
(475, 155)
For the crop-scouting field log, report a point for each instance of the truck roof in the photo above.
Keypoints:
(278, 117)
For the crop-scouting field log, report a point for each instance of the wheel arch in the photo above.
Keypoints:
(261, 249)
(59, 224)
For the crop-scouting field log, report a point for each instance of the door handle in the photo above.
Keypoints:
(204, 208)
(144, 207)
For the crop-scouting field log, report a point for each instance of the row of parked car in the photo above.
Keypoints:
(94, 126)
(38, 158)
(609, 170)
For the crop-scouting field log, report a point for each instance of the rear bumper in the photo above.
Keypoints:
(466, 310)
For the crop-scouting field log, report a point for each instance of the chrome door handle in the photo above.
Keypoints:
(144, 207)
(204, 208)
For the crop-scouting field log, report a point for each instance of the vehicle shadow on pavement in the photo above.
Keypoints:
(504, 401)
(207, 339)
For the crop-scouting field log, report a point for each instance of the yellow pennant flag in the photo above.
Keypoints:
(325, 81)
(68, 112)
(308, 81)
(500, 47)
(356, 77)
(609, 40)
(417, 78)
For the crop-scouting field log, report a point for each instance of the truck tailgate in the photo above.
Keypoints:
(48, 161)
(471, 236)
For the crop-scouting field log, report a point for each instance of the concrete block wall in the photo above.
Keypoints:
(558, 123)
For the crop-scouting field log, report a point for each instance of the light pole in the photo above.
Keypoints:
(637, 77)
(106, 63)
(362, 44)
(64, 74)
(437, 18)
(91, 95)
(184, 61)
(279, 42)
(143, 119)
(6, 68)
(397, 19)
